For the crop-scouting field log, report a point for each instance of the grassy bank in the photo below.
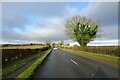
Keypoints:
(105, 50)
(12, 66)
(30, 71)
(112, 59)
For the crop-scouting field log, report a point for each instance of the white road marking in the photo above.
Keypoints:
(74, 62)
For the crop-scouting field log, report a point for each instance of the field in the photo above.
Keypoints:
(105, 50)
(100, 57)
(110, 54)
(14, 57)
(23, 47)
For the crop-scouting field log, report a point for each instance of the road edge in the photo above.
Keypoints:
(41, 60)
(100, 60)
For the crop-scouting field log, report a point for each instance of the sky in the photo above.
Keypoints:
(36, 22)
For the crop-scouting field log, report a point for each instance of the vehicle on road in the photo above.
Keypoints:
(55, 48)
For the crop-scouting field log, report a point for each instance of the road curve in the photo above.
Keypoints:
(61, 64)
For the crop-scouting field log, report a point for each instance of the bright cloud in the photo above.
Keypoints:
(99, 43)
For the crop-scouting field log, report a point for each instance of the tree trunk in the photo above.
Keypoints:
(83, 44)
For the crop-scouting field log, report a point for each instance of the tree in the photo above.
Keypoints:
(67, 44)
(31, 43)
(61, 43)
(53, 44)
(82, 29)
(48, 43)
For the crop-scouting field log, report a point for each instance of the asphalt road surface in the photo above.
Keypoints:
(61, 64)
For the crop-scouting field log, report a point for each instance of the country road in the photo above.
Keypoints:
(61, 64)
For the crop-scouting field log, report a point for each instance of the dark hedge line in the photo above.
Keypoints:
(15, 54)
(106, 50)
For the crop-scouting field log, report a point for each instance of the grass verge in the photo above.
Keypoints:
(12, 66)
(112, 59)
(30, 70)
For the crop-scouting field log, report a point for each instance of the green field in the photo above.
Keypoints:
(105, 50)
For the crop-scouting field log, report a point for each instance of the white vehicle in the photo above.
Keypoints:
(55, 48)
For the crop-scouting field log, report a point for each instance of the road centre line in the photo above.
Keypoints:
(74, 62)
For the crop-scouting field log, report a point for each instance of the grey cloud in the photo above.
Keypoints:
(107, 14)
(10, 34)
(104, 12)
(12, 16)
(119, 19)
(13, 35)
(110, 32)
(38, 8)
(16, 16)
(54, 30)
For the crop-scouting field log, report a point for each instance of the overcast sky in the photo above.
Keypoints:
(25, 22)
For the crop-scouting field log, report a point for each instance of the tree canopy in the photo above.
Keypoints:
(82, 29)
(48, 43)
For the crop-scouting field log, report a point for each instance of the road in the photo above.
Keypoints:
(61, 64)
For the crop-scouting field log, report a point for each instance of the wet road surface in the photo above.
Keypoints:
(61, 64)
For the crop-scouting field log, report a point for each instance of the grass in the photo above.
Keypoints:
(30, 71)
(105, 50)
(12, 66)
(108, 58)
